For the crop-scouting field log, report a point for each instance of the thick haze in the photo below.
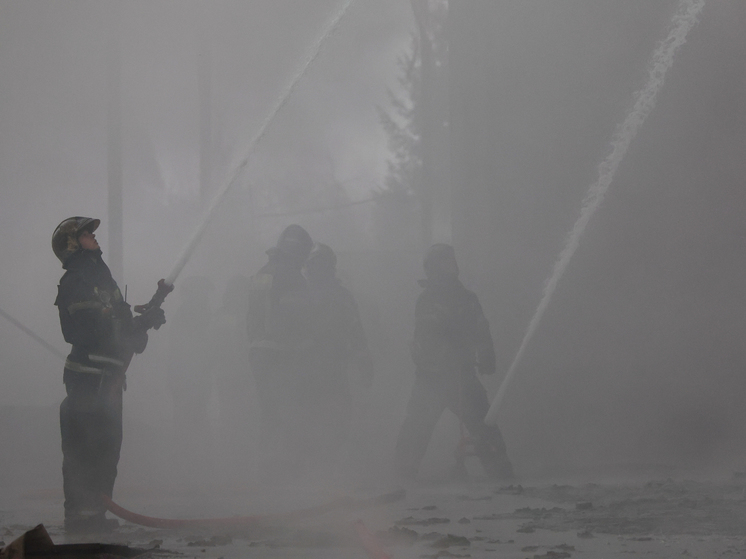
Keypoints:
(638, 362)
(638, 365)
(55, 60)
(53, 63)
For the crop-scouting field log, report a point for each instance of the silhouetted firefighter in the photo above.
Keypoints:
(97, 321)
(279, 330)
(452, 342)
(339, 342)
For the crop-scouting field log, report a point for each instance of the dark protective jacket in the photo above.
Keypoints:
(451, 333)
(280, 314)
(95, 318)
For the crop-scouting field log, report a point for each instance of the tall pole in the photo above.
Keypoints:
(441, 228)
(423, 98)
(431, 101)
(115, 245)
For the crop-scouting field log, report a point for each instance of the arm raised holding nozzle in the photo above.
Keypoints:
(97, 322)
(151, 314)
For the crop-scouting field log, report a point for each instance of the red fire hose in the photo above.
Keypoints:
(247, 521)
(370, 543)
(232, 521)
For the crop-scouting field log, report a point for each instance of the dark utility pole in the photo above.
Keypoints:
(115, 244)
(431, 112)
(424, 114)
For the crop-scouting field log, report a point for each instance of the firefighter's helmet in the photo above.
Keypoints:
(295, 242)
(65, 237)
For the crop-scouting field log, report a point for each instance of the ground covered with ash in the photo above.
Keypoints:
(656, 518)
(656, 508)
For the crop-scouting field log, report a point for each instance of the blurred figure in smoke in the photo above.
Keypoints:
(97, 321)
(235, 386)
(190, 381)
(452, 342)
(279, 329)
(339, 341)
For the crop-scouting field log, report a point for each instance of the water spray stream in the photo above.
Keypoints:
(41, 341)
(281, 100)
(683, 20)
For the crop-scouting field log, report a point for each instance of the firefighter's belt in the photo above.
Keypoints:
(109, 365)
(85, 306)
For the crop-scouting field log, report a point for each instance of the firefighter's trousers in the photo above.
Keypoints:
(465, 396)
(91, 428)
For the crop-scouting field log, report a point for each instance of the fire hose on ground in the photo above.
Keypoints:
(238, 522)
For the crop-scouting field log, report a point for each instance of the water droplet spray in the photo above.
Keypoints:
(285, 94)
(684, 19)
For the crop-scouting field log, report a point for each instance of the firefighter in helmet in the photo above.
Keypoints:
(97, 321)
(452, 343)
(339, 343)
(278, 322)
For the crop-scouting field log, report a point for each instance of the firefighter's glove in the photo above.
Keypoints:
(154, 317)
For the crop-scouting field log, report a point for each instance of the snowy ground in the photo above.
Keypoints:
(660, 518)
